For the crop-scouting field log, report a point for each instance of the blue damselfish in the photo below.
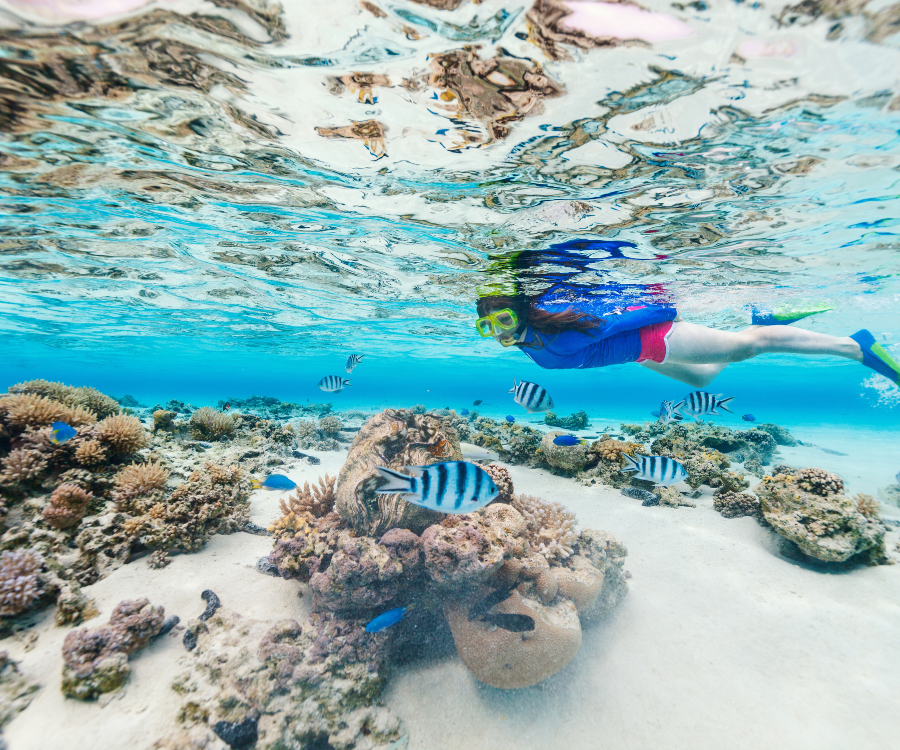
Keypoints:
(61, 433)
(386, 619)
(275, 482)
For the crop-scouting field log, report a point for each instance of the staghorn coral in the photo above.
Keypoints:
(22, 466)
(330, 426)
(67, 507)
(121, 434)
(316, 500)
(867, 505)
(30, 410)
(210, 424)
(96, 661)
(19, 580)
(90, 453)
(736, 504)
(141, 483)
(503, 480)
(819, 482)
(551, 527)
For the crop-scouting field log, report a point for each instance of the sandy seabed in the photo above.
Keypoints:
(722, 641)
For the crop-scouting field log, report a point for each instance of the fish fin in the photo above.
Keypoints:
(721, 404)
(415, 471)
(397, 482)
(414, 499)
(633, 464)
(347, 384)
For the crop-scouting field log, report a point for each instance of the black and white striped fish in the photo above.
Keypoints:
(448, 487)
(700, 402)
(531, 396)
(659, 469)
(667, 413)
(352, 361)
(333, 383)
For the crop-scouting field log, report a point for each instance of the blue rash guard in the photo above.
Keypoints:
(615, 342)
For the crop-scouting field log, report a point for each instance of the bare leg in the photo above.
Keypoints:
(692, 344)
(697, 376)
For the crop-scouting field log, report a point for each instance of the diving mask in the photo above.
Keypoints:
(497, 323)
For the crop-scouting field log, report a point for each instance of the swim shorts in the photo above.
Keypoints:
(655, 342)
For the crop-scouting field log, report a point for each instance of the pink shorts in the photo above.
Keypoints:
(655, 342)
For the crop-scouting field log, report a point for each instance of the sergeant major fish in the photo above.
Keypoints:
(531, 396)
(352, 361)
(700, 402)
(660, 469)
(61, 433)
(448, 487)
(333, 383)
(667, 413)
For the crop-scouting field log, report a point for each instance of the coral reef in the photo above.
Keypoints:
(316, 500)
(576, 421)
(273, 407)
(736, 504)
(330, 426)
(96, 661)
(67, 507)
(551, 527)
(808, 509)
(19, 580)
(21, 467)
(84, 397)
(122, 434)
(605, 460)
(209, 424)
(867, 505)
(30, 410)
(503, 480)
(138, 487)
(780, 434)
(309, 436)
(394, 438)
(567, 459)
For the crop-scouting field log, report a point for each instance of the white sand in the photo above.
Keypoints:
(721, 643)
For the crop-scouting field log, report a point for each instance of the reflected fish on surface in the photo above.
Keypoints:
(352, 361)
(61, 433)
(660, 469)
(512, 623)
(667, 413)
(386, 619)
(748, 418)
(278, 482)
(333, 383)
(567, 440)
(531, 396)
(510, 418)
(482, 606)
(448, 487)
(700, 402)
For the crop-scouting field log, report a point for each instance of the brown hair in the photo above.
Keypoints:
(540, 320)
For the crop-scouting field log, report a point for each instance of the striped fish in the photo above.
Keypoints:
(531, 396)
(448, 487)
(700, 402)
(667, 413)
(659, 469)
(333, 383)
(352, 361)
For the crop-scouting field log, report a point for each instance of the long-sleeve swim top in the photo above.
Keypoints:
(614, 342)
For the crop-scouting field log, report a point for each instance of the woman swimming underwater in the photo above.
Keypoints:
(567, 327)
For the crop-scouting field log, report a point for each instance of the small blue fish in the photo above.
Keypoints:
(748, 418)
(277, 482)
(510, 418)
(568, 440)
(386, 619)
(464, 412)
(62, 433)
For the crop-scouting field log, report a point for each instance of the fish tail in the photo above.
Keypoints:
(721, 404)
(397, 482)
(633, 463)
(256, 484)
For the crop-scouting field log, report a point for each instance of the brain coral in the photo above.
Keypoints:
(122, 434)
(19, 582)
(67, 507)
(208, 423)
(551, 527)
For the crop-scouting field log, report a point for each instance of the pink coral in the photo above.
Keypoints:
(22, 466)
(19, 580)
(67, 507)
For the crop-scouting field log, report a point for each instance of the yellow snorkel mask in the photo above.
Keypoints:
(497, 323)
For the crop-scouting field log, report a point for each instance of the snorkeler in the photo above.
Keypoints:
(576, 333)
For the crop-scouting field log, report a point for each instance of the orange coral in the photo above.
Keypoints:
(30, 410)
(90, 453)
(67, 507)
(318, 501)
(139, 480)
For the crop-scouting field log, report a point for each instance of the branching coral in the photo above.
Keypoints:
(503, 481)
(612, 450)
(22, 466)
(85, 397)
(867, 505)
(90, 453)
(330, 425)
(30, 410)
(122, 434)
(551, 527)
(96, 661)
(819, 482)
(315, 500)
(67, 507)
(140, 481)
(19, 580)
(210, 424)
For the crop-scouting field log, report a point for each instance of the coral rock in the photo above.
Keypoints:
(504, 659)
(819, 482)
(736, 504)
(330, 426)
(164, 420)
(550, 526)
(567, 458)
(579, 581)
